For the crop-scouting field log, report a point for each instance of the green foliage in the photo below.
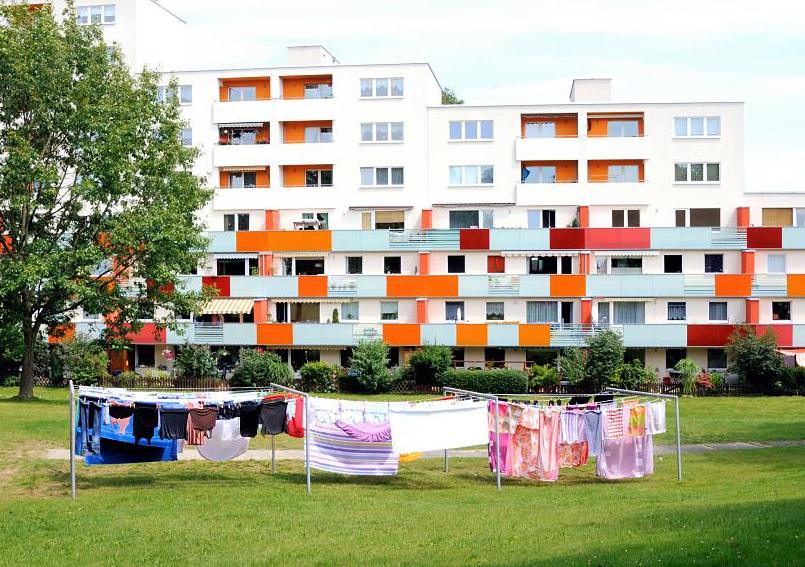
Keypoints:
(499, 381)
(319, 377)
(688, 371)
(571, 365)
(632, 374)
(429, 363)
(335, 316)
(449, 96)
(85, 361)
(604, 358)
(791, 381)
(755, 358)
(195, 362)
(540, 376)
(256, 369)
(128, 379)
(717, 379)
(369, 366)
(80, 133)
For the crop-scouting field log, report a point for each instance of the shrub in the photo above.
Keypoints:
(319, 377)
(256, 369)
(502, 381)
(429, 363)
(791, 381)
(571, 365)
(540, 376)
(196, 362)
(703, 381)
(604, 358)
(85, 360)
(632, 374)
(755, 358)
(368, 367)
(688, 371)
(128, 379)
(717, 379)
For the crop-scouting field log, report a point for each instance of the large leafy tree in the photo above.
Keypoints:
(97, 196)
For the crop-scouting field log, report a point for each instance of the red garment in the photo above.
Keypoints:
(296, 425)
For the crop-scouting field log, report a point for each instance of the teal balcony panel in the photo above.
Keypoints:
(535, 285)
(657, 336)
(312, 334)
(360, 240)
(240, 334)
(697, 238)
(635, 285)
(438, 334)
(473, 286)
(799, 336)
(182, 334)
(222, 242)
(503, 335)
(89, 329)
(371, 286)
(519, 239)
(190, 283)
(794, 237)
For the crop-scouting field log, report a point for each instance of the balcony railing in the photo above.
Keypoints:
(208, 333)
(578, 334)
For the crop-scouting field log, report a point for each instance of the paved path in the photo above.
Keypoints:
(298, 454)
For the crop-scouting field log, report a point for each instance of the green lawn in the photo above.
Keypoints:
(741, 507)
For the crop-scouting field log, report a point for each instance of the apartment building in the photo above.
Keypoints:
(351, 205)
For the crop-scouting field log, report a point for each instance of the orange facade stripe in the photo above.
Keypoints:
(312, 286)
(472, 335)
(733, 285)
(396, 334)
(796, 285)
(568, 285)
(284, 241)
(275, 334)
(422, 286)
(62, 333)
(538, 335)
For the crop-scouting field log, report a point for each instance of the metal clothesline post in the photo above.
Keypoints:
(676, 415)
(72, 439)
(306, 420)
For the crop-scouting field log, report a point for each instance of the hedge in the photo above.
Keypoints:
(502, 381)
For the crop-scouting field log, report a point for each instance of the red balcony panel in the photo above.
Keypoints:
(150, 334)
(709, 335)
(785, 333)
(618, 238)
(221, 283)
(764, 237)
(474, 239)
(568, 238)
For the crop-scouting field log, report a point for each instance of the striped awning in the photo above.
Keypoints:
(235, 256)
(244, 168)
(542, 253)
(301, 254)
(627, 299)
(228, 306)
(240, 124)
(313, 300)
(626, 253)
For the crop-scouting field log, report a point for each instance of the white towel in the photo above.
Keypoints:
(433, 426)
(225, 443)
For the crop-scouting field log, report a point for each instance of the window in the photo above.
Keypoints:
(621, 218)
(538, 174)
(318, 90)
(389, 220)
(494, 311)
(185, 94)
(623, 128)
(567, 312)
(677, 311)
(673, 263)
(472, 175)
(318, 134)
(603, 313)
(309, 266)
(542, 265)
(718, 310)
(318, 178)
(229, 223)
(716, 359)
(237, 94)
(242, 179)
(674, 355)
(627, 265)
(471, 129)
(392, 265)
(383, 87)
(231, 267)
(775, 263)
(381, 176)
(548, 218)
(382, 132)
(243, 221)
(540, 130)
(145, 355)
(567, 265)
(781, 310)
(697, 172)
(542, 312)
(454, 310)
(714, 263)
(680, 218)
(778, 216)
(472, 219)
(310, 220)
(455, 264)
(349, 311)
(187, 136)
(705, 217)
(389, 310)
(96, 14)
(623, 174)
(629, 312)
(495, 264)
(799, 217)
(495, 357)
(240, 137)
(305, 313)
(89, 315)
(697, 126)
(354, 264)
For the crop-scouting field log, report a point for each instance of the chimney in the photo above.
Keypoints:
(309, 55)
(591, 90)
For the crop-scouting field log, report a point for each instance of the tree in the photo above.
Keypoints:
(369, 364)
(84, 359)
(571, 365)
(259, 369)
(449, 96)
(755, 358)
(604, 358)
(196, 362)
(97, 197)
(429, 363)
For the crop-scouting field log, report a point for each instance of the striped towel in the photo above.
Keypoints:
(333, 450)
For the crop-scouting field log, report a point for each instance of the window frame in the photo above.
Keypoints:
(386, 260)
(392, 315)
(103, 14)
(712, 304)
(349, 269)
(501, 316)
(689, 169)
(706, 121)
(456, 305)
(479, 130)
(460, 259)
(479, 169)
(713, 256)
(390, 128)
(780, 304)
(319, 182)
(390, 85)
(375, 169)
(683, 305)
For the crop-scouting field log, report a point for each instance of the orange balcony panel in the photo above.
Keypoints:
(262, 87)
(62, 333)
(284, 241)
(568, 285)
(598, 126)
(796, 285)
(294, 87)
(532, 335)
(396, 334)
(471, 334)
(733, 285)
(280, 334)
(294, 132)
(295, 175)
(567, 171)
(422, 286)
(565, 125)
(312, 286)
(598, 170)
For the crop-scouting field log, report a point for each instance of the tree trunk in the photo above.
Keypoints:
(27, 377)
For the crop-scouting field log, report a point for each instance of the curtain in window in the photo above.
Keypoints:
(454, 311)
(349, 311)
(629, 313)
(541, 312)
(718, 311)
(676, 312)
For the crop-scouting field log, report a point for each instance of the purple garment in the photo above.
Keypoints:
(625, 457)
(505, 458)
(366, 431)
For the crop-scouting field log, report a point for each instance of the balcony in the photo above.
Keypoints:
(529, 149)
(593, 194)
(245, 155)
(567, 335)
(620, 148)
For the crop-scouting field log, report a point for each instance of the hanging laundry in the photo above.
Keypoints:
(410, 457)
(366, 431)
(507, 417)
(535, 444)
(625, 457)
(225, 443)
(249, 418)
(334, 450)
(655, 418)
(146, 419)
(593, 423)
(120, 415)
(573, 454)
(173, 421)
(637, 421)
(295, 417)
(613, 422)
(203, 419)
(330, 410)
(573, 427)
(273, 417)
(434, 426)
(88, 437)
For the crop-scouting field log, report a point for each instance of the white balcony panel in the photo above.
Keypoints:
(244, 111)
(304, 153)
(278, 197)
(539, 149)
(241, 155)
(556, 194)
(617, 148)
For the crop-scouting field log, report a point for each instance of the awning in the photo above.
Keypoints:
(228, 306)
(493, 205)
(301, 254)
(797, 353)
(314, 300)
(245, 168)
(543, 253)
(380, 208)
(235, 256)
(615, 115)
(626, 299)
(240, 125)
(626, 253)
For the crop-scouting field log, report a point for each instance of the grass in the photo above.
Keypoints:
(742, 507)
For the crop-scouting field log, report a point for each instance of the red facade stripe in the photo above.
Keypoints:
(618, 238)
(568, 238)
(785, 333)
(221, 283)
(474, 239)
(764, 237)
(709, 335)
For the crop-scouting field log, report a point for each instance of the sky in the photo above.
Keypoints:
(514, 51)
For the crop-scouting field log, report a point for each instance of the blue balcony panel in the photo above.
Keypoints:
(635, 285)
(697, 238)
(371, 286)
(473, 286)
(190, 283)
(360, 240)
(438, 334)
(794, 237)
(659, 336)
(240, 334)
(222, 242)
(501, 239)
(535, 285)
(799, 336)
(503, 335)
(184, 333)
(311, 334)
(90, 330)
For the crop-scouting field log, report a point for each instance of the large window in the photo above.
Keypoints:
(705, 217)
(242, 179)
(538, 174)
(242, 222)
(454, 310)
(456, 264)
(382, 87)
(382, 176)
(543, 265)
(184, 93)
(236, 266)
(471, 219)
(472, 175)
(718, 310)
(697, 126)
(318, 134)
(237, 94)
(623, 174)
(354, 264)
(349, 311)
(495, 264)
(471, 129)
(542, 312)
(629, 313)
(544, 218)
(781, 310)
(305, 312)
(104, 14)
(540, 130)
(389, 311)
(315, 221)
(623, 128)
(145, 355)
(697, 172)
(716, 359)
(389, 220)
(318, 90)
(382, 132)
(673, 263)
(677, 311)
(309, 266)
(777, 216)
(243, 137)
(626, 265)
(318, 178)
(674, 355)
(494, 311)
(187, 136)
(623, 218)
(392, 265)
(714, 263)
